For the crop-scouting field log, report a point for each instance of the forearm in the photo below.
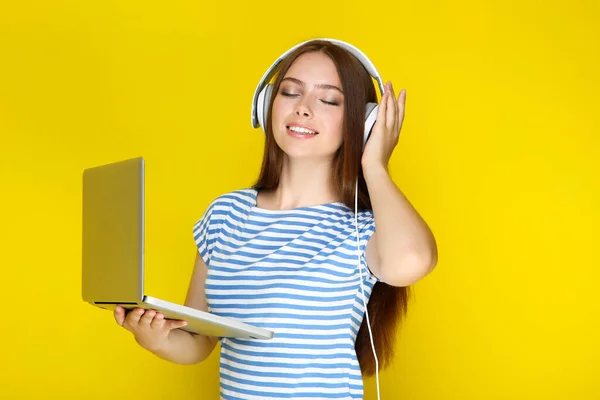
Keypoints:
(182, 347)
(403, 238)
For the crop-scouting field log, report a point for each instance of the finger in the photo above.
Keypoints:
(398, 112)
(147, 317)
(175, 323)
(401, 108)
(134, 316)
(158, 321)
(382, 106)
(390, 117)
(119, 315)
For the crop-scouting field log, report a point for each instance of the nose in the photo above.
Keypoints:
(302, 109)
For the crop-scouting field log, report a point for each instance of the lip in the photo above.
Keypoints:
(299, 125)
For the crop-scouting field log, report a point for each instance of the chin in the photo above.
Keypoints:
(314, 154)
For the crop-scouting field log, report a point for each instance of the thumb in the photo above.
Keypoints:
(175, 323)
(119, 315)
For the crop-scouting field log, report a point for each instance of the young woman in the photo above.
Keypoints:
(282, 254)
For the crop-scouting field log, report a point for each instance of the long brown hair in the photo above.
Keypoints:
(388, 304)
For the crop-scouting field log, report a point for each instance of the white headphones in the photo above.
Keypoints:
(262, 94)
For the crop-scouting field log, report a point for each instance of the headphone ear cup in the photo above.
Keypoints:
(262, 106)
(370, 119)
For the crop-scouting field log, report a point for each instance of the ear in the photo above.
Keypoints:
(370, 119)
(262, 106)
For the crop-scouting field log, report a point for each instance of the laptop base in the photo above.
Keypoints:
(198, 322)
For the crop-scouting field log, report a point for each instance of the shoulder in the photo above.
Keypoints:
(235, 202)
(236, 198)
(341, 212)
(344, 216)
(365, 218)
(222, 206)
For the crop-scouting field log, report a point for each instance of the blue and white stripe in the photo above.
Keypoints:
(294, 272)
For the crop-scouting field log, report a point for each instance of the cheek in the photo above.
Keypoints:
(278, 109)
(274, 112)
(336, 126)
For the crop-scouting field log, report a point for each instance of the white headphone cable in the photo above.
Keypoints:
(362, 287)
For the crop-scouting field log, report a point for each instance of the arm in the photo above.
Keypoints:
(403, 248)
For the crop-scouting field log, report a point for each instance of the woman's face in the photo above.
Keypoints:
(308, 109)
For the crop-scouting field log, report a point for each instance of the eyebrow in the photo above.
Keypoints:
(318, 85)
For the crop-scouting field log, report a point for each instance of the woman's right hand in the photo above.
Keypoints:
(150, 328)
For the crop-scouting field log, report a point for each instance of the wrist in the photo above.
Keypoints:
(374, 171)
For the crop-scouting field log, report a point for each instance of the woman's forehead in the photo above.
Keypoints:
(314, 69)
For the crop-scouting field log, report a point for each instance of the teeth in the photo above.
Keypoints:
(302, 130)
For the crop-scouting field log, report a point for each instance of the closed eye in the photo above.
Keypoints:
(331, 103)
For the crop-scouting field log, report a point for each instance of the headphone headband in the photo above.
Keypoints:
(364, 60)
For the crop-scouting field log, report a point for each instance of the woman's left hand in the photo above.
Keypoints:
(386, 131)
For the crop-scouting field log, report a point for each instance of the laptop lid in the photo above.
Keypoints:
(113, 233)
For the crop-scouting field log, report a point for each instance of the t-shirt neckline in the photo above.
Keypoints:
(317, 207)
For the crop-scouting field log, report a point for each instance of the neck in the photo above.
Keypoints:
(303, 183)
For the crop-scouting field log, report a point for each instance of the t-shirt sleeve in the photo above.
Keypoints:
(204, 234)
(366, 228)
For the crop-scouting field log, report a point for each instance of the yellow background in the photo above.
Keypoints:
(498, 153)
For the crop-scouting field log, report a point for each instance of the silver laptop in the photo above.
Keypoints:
(113, 252)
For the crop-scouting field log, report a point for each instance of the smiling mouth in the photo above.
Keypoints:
(301, 131)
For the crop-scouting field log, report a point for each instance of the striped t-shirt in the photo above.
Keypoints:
(293, 272)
